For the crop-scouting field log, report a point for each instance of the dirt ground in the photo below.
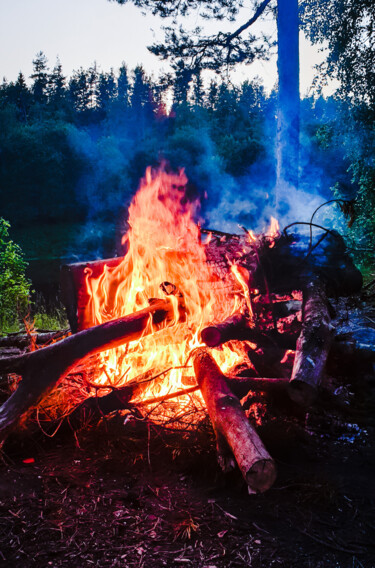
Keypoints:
(133, 495)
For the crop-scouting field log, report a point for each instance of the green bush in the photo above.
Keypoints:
(14, 286)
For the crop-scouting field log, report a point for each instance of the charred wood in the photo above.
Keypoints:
(313, 344)
(237, 327)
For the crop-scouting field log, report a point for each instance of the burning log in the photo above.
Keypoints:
(234, 434)
(43, 368)
(313, 345)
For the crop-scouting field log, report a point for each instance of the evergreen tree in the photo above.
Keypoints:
(212, 96)
(56, 86)
(92, 77)
(123, 86)
(40, 78)
(198, 92)
(19, 94)
(106, 90)
(79, 92)
(182, 79)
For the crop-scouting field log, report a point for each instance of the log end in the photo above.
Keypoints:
(211, 336)
(261, 476)
(302, 393)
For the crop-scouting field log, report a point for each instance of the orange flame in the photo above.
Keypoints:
(164, 245)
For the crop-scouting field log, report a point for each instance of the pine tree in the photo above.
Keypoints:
(40, 77)
(92, 85)
(123, 86)
(56, 86)
(198, 92)
(182, 79)
(79, 91)
(22, 97)
(106, 90)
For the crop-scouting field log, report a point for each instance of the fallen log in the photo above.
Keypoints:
(313, 344)
(234, 434)
(23, 340)
(42, 369)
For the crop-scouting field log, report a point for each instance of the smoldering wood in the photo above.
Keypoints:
(313, 344)
(237, 326)
(234, 434)
(42, 369)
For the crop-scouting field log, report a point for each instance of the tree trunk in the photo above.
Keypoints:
(287, 144)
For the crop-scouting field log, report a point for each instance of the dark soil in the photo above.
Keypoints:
(133, 495)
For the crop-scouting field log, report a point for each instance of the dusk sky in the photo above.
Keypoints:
(81, 32)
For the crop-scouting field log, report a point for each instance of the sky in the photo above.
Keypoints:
(81, 32)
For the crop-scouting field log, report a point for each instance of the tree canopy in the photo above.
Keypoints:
(224, 49)
(348, 29)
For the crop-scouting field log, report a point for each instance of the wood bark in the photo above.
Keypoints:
(234, 434)
(313, 345)
(43, 368)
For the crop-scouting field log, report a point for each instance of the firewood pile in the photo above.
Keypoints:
(284, 325)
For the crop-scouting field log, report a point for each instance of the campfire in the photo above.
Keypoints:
(191, 322)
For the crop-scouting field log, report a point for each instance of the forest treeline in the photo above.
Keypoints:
(75, 148)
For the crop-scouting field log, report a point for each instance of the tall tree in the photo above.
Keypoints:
(40, 77)
(123, 86)
(182, 79)
(106, 90)
(79, 90)
(287, 145)
(20, 95)
(56, 86)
